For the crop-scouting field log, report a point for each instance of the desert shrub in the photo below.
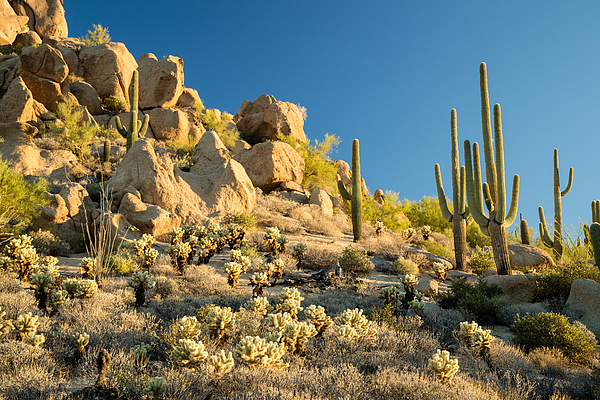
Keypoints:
(555, 285)
(241, 218)
(97, 36)
(319, 171)
(405, 266)
(227, 132)
(74, 134)
(387, 213)
(320, 257)
(115, 104)
(46, 243)
(426, 212)
(436, 248)
(20, 201)
(475, 238)
(355, 259)
(548, 359)
(550, 329)
(122, 262)
(480, 259)
(480, 302)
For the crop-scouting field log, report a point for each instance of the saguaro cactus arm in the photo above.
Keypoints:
(474, 185)
(544, 229)
(596, 211)
(441, 195)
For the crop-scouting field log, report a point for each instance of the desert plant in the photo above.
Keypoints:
(425, 232)
(482, 340)
(440, 271)
(443, 366)
(156, 387)
(34, 340)
(259, 280)
(26, 324)
(233, 271)
(80, 340)
(115, 104)
(19, 257)
(318, 317)
(289, 300)
(358, 322)
(45, 242)
(140, 282)
(219, 321)
(257, 352)
(139, 352)
(4, 323)
(299, 253)
(355, 259)
(556, 243)
(379, 227)
(493, 190)
(189, 353)
(481, 259)
(99, 35)
(356, 197)
(183, 328)
(221, 364)
(134, 132)
(405, 266)
(42, 285)
(549, 329)
(277, 266)
(525, 238)
(179, 254)
(295, 334)
(259, 304)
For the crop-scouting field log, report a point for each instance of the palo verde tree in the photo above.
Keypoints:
(461, 216)
(556, 244)
(493, 192)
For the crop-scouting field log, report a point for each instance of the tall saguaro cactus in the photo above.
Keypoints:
(556, 244)
(493, 191)
(594, 231)
(461, 216)
(525, 239)
(134, 131)
(356, 196)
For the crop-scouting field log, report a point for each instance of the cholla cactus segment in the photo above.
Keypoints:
(221, 364)
(467, 330)
(379, 227)
(189, 353)
(220, 320)
(482, 340)
(426, 231)
(48, 264)
(233, 271)
(300, 249)
(346, 333)
(318, 317)
(87, 266)
(186, 328)
(58, 297)
(141, 280)
(278, 321)
(259, 305)
(440, 270)
(71, 285)
(236, 255)
(213, 228)
(259, 278)
(273, 337)
(356, 319)
(251, 349)
(87, 288)
(26, 324)
(272, 233)
(176, 235)
(390, 294)
(34, 340)
(278, 264)
(139, 353)
(295, 335)
(273, 354)
(416, 305)
(156, 387)
(150, 255)
(289, 301)
(179, 250)
(245, 262)
(81, 339)
(408, 233)
(443, 366)
(409, 281)
(21, 256)
(42, 282)
(282, 241)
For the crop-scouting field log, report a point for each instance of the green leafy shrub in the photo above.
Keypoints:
(476, 238)
(480, 302)
(480, 259)
(75, 134)
(436, 248)
(97, 36)
(115, 104)
(426, 212)
(212, 122)
(550, 329)
(355, 259)
(389, 213)
(246, 219)
(405, 266)
(20, 201)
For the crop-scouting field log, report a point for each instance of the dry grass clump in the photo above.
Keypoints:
(321, 257)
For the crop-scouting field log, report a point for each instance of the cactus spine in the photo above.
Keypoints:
(524, 231)
(493, 190)
(461, 217)
(556, 244)
(134, 131)
(356, 196)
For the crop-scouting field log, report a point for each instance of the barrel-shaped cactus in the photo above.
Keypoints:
(134, 132)
(356, 196)
(493, 191)
(556, 242)
(460, 217)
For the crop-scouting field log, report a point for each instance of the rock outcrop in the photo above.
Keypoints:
(584, 303)
(522, 255)
(161, 81)
(11, 24)
(518, 288)
(17, 104)
(45, 17)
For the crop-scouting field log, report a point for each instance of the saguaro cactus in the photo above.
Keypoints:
(134, 131)
(356, 196)
(493, 190)
(524, 231)
(461, 217)
(556, 244)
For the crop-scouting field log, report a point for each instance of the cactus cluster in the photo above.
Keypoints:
(189, 353)
(318, 317)
(259, 280)
(219, 321)
(80, 288)
(183, 328)
(379, 228)
(257, 352)
(352, 323)
(80, 340)
(356, 197)
(299, 254)
(156, 387)
(407, 233)
(276, 242)
(476, 337)
(141, 281)
(289, 300)
(26, 325)
(233, 271)
(259, 304)
(221, 364)
(19, 257)
(443, 366)
(139, 352)
(440, 271)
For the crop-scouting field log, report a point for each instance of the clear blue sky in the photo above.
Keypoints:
(389, 72)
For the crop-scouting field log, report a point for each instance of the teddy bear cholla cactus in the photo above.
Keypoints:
(295, 334)
(379, 227)
(48, 264)
(82, 288)
(259, 304)
(317, 316)
(259, 280)
(220, 320)
(390, 295)
(426, 231)
(176, 236)
(475, 336)
(42, 284)
(189, 353)
(443, 366)
(156, 387)
(357, 321)
(276, 242)
(278, 321)
(233, 271)
(86, 267)
(139, 352)
(80, 340)
(440, 270)
(299, 253)
(179, 254)
(276, 268)
(257, 352)
(408, 233)
(221, 364)
(26, 324)
(184, 328)
(289, 301)
(140, 282)
(20, 257)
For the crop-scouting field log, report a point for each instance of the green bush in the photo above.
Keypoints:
(246, 219)
(228, 134)
(475, 238)
(75, 134)
(436, 248)
(480, 259)
(480, 302)
(405, 266)
(355, 259)
(427, 212)
(387, 213)
(20, 201)
(550, 329)
(97, 36)
(115, 104)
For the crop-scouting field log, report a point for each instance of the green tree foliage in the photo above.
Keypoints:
(427, 212)
(387, 213)
(20, 200)
(97, 36)
(319, 171)
(227, 133)
(74, 134)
